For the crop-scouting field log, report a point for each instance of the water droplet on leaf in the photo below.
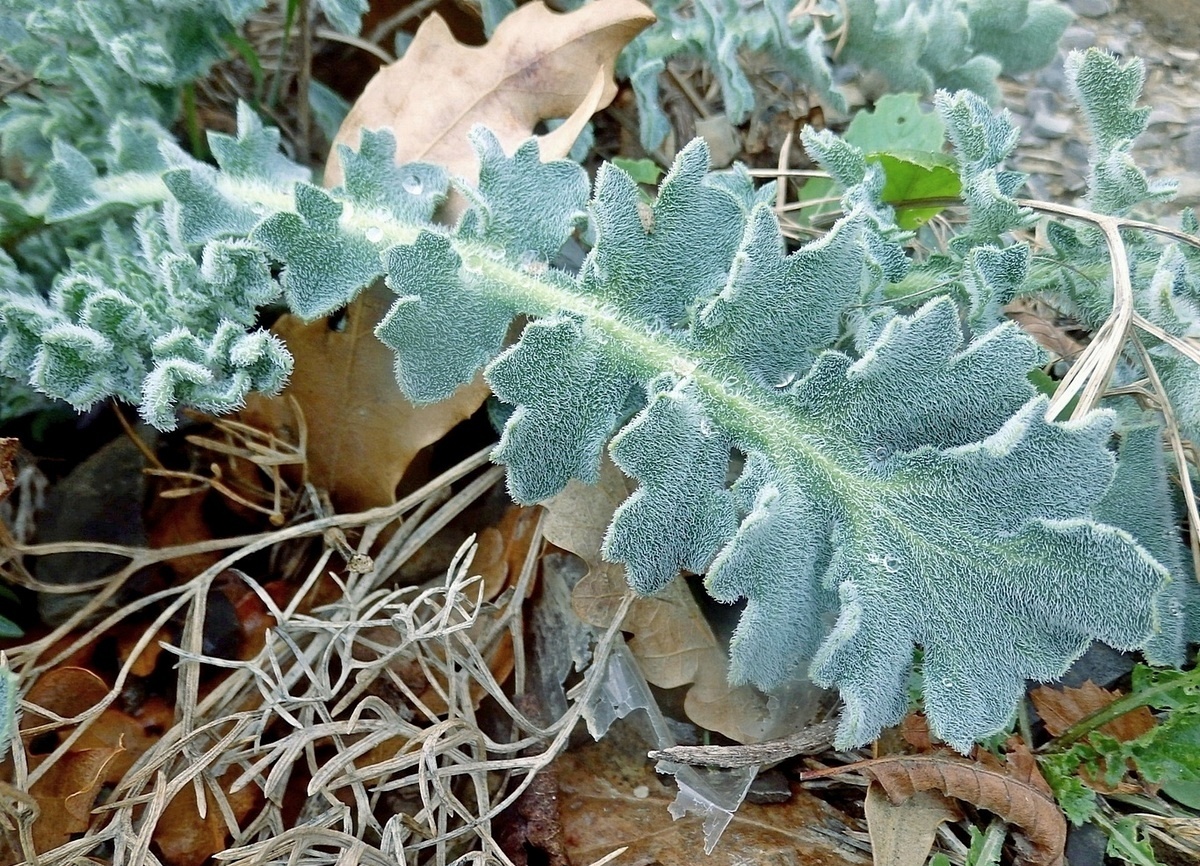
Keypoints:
(533, 262)
(412, 185)
(374, 234)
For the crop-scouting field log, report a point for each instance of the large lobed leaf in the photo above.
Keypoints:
(907, 496)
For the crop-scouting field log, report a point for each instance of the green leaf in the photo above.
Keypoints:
(912, 176)
(1077, 800)
(1171, 750)
(645, 171)
(1125, 840)
(897, 123)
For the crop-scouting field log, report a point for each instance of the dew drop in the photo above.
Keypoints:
(412, 185)
(258, 208)
(891, 564)
(374, 234)
(881, 452)
(706, 427)
(473, 262)
(533, 262)
(785, 381)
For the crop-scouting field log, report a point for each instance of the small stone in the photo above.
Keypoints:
(769, 787)
(1077, 38)
(1075, 152)
(1188, 194)
(1166, 113)
(723, 142)
(1041, 99)
(1047, 125)
(1053, 77)
(1190, 149)
(1183, 55)
(1090, 8)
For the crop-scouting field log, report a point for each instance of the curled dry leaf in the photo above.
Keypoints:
(1038, 320)
(1015, 791)
(104, 751)
(671, 639)
(1062, 708)
(362, 432)
(67, 792)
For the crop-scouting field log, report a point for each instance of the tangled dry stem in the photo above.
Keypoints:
(383, 684)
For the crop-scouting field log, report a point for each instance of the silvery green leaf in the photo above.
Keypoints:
(200, 211)
(254, 152)
(654, 263)
(682, 513)
(408, 193)
(1108, 91)
(446, 323)
(569, 396)
(344, 15)
(326, 267)
(523, 205)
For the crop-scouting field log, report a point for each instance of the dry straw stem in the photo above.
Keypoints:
(332, 702)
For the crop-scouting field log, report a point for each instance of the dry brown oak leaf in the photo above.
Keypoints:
(539, 65)
(1062, 708)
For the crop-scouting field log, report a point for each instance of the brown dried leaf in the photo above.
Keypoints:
(537, 66)
(1062, 708)
(8, 473)
(362, 432)
(66, 794)
(610, 798)
(1014, 791)
(185, 838)
(66, 691)
(902, 834)
(671, 639)
(1037, 320)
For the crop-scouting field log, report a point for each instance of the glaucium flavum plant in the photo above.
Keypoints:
(902, 486)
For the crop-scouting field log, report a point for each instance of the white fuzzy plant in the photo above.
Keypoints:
(904, 493)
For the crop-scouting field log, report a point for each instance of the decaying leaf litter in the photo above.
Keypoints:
(366, 701)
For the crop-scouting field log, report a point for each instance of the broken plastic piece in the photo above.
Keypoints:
(710, 793)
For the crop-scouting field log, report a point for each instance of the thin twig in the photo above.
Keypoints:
(811, 741)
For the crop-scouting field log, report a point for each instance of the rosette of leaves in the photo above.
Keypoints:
(904, 490)
(916, 47)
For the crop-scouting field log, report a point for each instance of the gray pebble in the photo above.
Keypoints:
(1048, 125)
(769, 787)
(1077, 38)
(1190, 149)
(1075, 152)
(1090, 8)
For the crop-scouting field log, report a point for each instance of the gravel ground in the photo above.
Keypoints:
(1166, 35)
